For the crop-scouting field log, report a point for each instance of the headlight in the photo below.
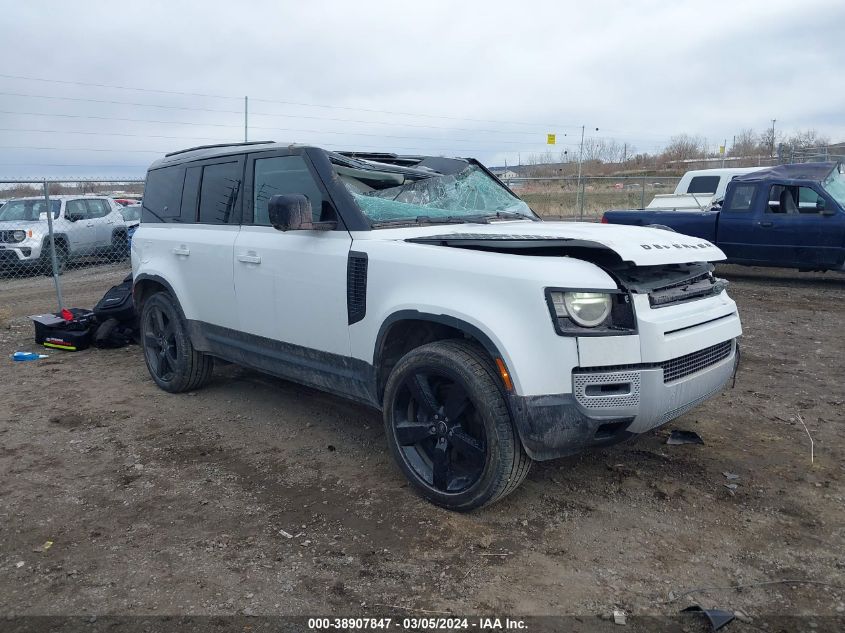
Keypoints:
(587, 309)
(18, 236)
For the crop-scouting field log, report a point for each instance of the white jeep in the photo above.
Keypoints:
(424, 287)
(82, 226)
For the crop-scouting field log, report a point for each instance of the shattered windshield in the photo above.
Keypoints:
(835, 186)
(468, 194)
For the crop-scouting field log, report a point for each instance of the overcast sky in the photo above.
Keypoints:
(487, 79)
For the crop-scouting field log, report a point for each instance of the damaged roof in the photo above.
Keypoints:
(435, 164)
(814, 172)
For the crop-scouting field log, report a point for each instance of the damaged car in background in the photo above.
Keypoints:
(424, 287)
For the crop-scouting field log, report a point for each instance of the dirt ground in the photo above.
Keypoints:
(184, 504)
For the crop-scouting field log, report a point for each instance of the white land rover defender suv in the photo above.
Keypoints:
(82, 226)
(424, 287)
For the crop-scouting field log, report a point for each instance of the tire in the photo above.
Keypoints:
(45, 261)
(449, 428)
(171, 359)
(120, 245)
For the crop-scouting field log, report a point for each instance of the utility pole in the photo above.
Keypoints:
(773, 138)
(246, 119)
(580, 162)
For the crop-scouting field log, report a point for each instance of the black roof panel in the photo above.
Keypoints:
(815, 172)
(210, 151)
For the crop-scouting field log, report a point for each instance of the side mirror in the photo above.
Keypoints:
(74, 217)
(821, 207)
(290, 212)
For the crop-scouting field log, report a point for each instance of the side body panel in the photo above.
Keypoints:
(799, 240)
(291, 286)
(197, 261)
(695, 223)
(505, 301)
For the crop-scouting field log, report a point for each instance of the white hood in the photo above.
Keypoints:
(641, 246)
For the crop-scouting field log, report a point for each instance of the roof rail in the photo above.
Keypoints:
(191, 149)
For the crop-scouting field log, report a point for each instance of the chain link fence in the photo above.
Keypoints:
(84, 240)
(52, 230)
(72, 255)
(587, 199)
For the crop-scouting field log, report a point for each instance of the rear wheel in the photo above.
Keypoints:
(120, 245)
(449, 429)
(171, 359)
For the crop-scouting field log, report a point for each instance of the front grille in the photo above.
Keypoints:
(699, 287)
(678, 368)
(674, 368)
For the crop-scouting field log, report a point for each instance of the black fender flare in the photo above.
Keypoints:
(136, 281)
(442, 319)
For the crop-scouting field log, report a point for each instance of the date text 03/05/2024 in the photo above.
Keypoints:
(417, 624)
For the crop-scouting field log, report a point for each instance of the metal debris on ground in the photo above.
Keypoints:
(618, 617)
(730, 476)
(684, 437)
(716, 617)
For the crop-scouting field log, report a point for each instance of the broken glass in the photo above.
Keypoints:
(469, 193)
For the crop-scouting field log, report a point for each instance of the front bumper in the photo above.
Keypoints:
(17, 254)
(611, 404)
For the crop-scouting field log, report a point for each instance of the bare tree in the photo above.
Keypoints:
(683, 147)
(745, 143)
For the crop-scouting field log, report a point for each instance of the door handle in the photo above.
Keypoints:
(90, 224)
(182, 250)
(766, 224)
(249, 259)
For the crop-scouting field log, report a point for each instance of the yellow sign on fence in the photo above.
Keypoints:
(551, 139)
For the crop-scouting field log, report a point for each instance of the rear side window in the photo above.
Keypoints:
(97, 208)
(221, 184)
(162, 194)
(703, 184)
(77, 208)
(282, 175)
(740, 199)
(191, 194)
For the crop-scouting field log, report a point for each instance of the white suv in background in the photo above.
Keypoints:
(82, 225)
(424, 287)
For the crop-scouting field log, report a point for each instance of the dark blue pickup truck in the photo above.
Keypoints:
(791, 216)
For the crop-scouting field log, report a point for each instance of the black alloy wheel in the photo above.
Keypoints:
(171, 359)
(449, 428)
(438, 430)
(160, 343)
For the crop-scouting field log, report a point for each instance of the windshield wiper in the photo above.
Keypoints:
(508, 215)
(482, 218)
(428, 219)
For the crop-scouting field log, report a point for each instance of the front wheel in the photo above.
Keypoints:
(45, 261)
(448, 426)
(171, 359)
